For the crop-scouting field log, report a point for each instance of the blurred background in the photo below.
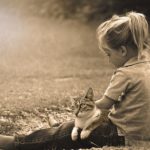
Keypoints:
(76, 9)
(49, 52)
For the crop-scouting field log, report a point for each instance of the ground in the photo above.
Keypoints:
(43, 63)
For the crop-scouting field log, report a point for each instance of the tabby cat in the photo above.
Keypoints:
(87, 115)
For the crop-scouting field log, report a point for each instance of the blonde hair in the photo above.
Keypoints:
(130, 30)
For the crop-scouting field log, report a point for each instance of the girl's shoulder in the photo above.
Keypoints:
(135, 67)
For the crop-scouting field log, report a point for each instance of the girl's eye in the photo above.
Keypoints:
(107, 54)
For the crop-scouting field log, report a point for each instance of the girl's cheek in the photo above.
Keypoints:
(110, 60)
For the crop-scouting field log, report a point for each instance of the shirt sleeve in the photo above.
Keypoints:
(118, 87)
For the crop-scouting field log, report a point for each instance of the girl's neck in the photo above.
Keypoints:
(131, 54)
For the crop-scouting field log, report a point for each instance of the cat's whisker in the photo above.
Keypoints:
(93, 144)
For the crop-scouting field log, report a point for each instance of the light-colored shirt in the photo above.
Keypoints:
(130, 89)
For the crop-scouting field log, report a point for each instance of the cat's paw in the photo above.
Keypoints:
(74, 134)
(85, 134)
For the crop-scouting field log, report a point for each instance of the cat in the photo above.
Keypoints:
(87, 116)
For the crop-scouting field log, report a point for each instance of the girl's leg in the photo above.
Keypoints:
(7, 142)
(51, 138)
(106, 135)
(60, 138)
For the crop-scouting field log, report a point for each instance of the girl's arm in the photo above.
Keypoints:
(105, 103)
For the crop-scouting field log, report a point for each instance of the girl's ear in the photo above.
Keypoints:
(123, 51)
(89, 94)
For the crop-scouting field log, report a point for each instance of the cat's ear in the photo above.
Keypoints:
(89, 94)
(74, 101)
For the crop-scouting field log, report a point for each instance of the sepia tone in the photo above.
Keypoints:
(48, 54)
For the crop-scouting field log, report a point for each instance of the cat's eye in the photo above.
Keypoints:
(83, 105)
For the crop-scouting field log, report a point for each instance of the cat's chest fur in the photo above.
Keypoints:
(87, 118)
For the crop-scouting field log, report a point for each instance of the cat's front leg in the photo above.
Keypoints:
(85, 134)
(74, 134)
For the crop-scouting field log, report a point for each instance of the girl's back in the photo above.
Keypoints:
(132, 111)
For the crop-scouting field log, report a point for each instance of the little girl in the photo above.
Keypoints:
(125, 40)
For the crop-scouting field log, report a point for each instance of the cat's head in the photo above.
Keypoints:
(84, 104)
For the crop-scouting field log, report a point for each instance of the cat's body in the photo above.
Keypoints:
(88, 116)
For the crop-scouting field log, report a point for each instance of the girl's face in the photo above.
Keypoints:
(116, 57)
